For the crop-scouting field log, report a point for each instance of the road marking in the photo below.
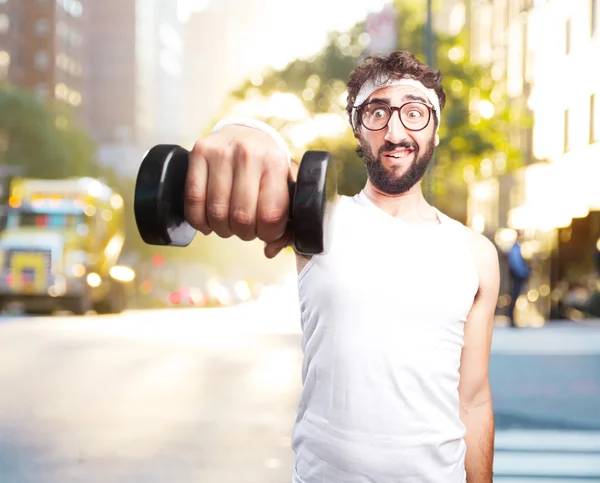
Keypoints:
(546, 440)
(523, 456)
(561, 340)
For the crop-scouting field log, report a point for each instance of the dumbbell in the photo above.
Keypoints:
(160, 188)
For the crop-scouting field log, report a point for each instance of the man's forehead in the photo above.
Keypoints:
(398, 93)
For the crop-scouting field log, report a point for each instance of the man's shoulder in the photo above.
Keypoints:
(484, 251)
(485, 255)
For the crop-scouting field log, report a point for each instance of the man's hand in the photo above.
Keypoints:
(237, 185)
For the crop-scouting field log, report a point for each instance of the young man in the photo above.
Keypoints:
(397, 316)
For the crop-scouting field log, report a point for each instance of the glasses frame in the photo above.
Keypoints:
(392, 109)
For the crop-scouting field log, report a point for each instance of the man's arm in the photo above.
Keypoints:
(476, 409)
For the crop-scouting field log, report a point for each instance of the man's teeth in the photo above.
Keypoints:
(400, 155)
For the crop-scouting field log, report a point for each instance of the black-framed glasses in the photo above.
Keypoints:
(376, 115)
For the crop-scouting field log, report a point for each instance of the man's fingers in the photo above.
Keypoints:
(274, 247)
(244, 198)
(273, 203)
(195, 193)
(218, 192)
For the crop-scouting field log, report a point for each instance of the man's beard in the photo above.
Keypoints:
(385, 180)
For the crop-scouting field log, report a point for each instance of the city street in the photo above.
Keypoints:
(210, 396)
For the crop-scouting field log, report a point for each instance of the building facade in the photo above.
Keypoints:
(542, 55)
(134, 59)
(42, 49)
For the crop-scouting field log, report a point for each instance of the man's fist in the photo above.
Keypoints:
(237, 184)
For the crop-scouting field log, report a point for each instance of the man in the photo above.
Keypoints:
(519, 273)
(397, 316)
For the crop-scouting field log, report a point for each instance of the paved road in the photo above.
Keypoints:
(546, 390)
(210, 396)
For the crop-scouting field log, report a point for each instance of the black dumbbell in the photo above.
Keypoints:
(159, 199)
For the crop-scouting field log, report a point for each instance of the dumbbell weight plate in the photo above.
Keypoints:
(313, 203)
(159, 197)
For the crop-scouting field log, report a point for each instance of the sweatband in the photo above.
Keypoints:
(256, 124)
(372, 85)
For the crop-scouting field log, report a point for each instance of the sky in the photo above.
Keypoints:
(304, 23)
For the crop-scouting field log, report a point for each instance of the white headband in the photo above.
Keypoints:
(371, 86)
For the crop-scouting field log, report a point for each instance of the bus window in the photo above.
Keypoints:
(44, 220)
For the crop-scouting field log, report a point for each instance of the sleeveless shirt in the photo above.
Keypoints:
(383, 313)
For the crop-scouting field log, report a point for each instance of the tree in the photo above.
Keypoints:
(320, 82)
(43, 140)
(475, 122)
(477, 118)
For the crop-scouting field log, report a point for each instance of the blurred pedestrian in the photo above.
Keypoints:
(519, 274)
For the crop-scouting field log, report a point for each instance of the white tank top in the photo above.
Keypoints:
(382, 316)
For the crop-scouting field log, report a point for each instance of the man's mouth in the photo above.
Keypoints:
(400, 153)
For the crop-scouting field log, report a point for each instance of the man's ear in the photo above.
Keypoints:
(437, 139)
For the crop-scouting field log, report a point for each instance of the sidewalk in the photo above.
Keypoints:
(554, 337)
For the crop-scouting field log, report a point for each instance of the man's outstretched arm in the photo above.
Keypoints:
(476, 409)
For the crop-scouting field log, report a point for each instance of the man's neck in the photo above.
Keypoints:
(410, 206)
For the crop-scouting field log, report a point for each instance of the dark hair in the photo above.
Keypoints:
(396, 65)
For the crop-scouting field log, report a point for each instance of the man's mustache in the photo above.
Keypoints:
(388, 146)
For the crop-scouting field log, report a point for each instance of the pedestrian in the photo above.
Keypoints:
(519, 273)
(398, 314)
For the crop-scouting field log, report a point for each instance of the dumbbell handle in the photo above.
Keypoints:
(170, 171)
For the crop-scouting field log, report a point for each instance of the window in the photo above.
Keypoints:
(72, 7)
(42, 91)
(593, 16)
(566, 132)
(42, 27)
(4, 23)
(4, 64)
(41, 60)
(594, 119)
(568, 37)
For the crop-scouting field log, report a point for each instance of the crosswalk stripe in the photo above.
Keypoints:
(560, 479)
(523, 456)
(565, 340)
(547, 440)
(547, 464)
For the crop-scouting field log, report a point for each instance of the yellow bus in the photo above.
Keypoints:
(61, 245)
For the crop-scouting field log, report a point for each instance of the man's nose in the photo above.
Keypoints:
(396, 131)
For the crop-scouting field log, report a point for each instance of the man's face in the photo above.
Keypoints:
(396, 158)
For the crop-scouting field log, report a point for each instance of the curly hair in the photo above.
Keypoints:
(396, 65)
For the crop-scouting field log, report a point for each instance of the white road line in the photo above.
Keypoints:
(546, 440)
(523, 456)
(547, 464)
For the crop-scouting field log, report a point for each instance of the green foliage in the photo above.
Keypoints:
(320, 83)
(466, 138)
(43, 140)
(352, 175)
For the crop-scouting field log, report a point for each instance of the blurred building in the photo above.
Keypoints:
(222, 44)
(542, 55)
(42, 49)
(382, 28)
(134, 60)
(207, 78)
